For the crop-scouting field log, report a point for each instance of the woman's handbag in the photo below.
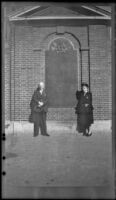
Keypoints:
(77, 109)
(43, 108)
(31, 118)
(38, 109)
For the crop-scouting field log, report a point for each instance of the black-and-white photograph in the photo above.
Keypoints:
(57, 100)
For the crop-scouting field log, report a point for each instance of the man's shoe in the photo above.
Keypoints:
(46, 134)
(35, 135)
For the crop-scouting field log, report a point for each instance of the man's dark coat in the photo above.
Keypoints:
(35, 109)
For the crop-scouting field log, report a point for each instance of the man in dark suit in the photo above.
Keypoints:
(39, 110)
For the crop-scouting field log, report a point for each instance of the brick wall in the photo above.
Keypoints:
(100, 54)
(29, 69)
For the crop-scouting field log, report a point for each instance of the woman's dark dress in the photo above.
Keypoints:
(84, 114)
(38, 114)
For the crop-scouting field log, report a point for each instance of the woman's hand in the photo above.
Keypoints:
(40, 103)
(86, 104)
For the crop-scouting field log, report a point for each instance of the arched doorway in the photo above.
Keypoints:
(61, 63)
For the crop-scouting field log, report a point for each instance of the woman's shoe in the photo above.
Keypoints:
(89, 134)
(79, 130)
(84, 133)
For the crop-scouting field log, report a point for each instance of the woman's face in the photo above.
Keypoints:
(85, 89)
(41, 85)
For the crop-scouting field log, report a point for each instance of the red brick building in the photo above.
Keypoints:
(62, 45)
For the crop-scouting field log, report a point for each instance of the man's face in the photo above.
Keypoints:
(42, 85)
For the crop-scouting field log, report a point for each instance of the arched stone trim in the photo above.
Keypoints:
(47, 40)
(69, 41)
(45, 44)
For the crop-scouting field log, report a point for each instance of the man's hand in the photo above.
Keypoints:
(86, 104)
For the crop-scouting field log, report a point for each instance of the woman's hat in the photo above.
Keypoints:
(84, 84)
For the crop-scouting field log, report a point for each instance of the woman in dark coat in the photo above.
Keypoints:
(39, 110)
(84, 110)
